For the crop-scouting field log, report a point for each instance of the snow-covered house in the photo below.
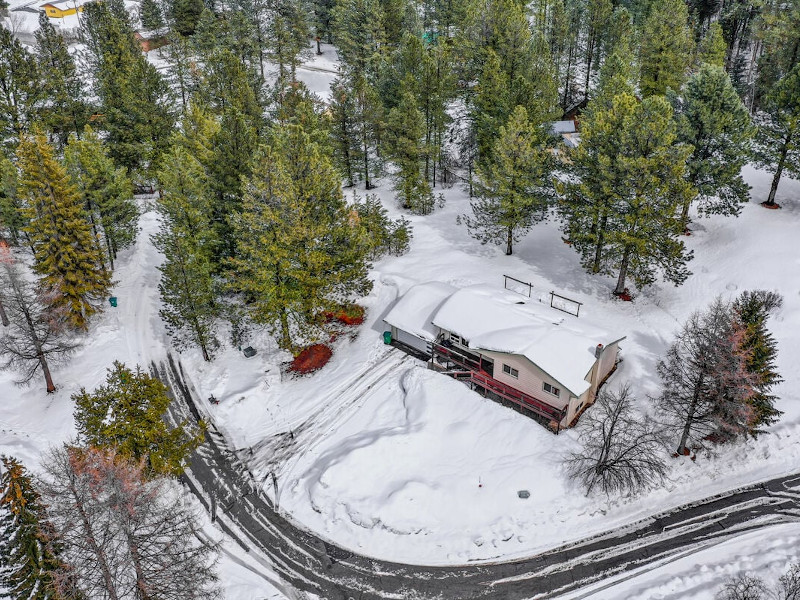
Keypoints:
(507, 346)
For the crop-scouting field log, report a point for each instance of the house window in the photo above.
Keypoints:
(550, 389)
(510, 371)
(456, 339)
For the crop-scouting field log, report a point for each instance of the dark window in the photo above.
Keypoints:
(551, 389)
(511, 371)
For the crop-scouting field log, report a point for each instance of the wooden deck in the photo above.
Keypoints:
(466, 368)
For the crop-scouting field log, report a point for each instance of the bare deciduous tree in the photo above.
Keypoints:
(743, 587)
(126, 537)
(622, 451)
(789, 584)
(35, 338)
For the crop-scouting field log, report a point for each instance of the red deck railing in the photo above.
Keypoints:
(478, 376)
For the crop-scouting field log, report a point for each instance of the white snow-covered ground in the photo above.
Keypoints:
(698, 574)
(398, 462)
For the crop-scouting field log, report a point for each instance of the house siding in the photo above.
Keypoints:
(607, 361)
(531, 378)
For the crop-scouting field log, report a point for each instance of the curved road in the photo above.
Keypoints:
(310, 564)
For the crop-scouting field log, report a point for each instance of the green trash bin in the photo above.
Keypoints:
(387, 337)
(113, 301)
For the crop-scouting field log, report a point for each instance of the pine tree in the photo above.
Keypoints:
(28, 563)
(587, 206)
(150, 15)
(382, 235)
(106, 191)
(35, 337)
(66, 255)
(665, 52)
(21, 92)
(712, 47)
(323, 19)
(753, 308)
(287, 38)
(12, 215)
(127, 413)
(598, 17)
(185, 15)
(778, 45)
(235, 145)
(405, 146)
(649, 183)
(136, 102)
(182, 73)
(359, 35)
(500, 50)
(346, 143)
(622, 212)
(713, 120)
(299, 252)
(67, 110)
(187, 240)
(777, 148)
(491, 105)
(515, 189)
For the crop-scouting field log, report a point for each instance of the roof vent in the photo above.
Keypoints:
(598, 350)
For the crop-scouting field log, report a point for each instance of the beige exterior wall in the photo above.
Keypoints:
(607, 360)
(577, 404)
(531, 378)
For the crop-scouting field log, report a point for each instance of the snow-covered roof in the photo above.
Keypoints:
(563, 127)
(414, 312)
(497, 320)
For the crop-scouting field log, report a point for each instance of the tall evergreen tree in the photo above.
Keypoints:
(150, 15)
(106, 191)
(287, 38)
(598, 16)
(713, 120)
(185, 15)
(67, 259)
(405, 143)
(28, 563)
(777, 148)
(127, 414)
(514, 189)
(589, 199)
(665, 53)
(299, 252)
(136, 102)
(21, 93)
(345, 140)
(360, 37)
(66, 110)
(753, 308)
(712, 47)
(187, 240)
(12, 214)
(624, 208)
